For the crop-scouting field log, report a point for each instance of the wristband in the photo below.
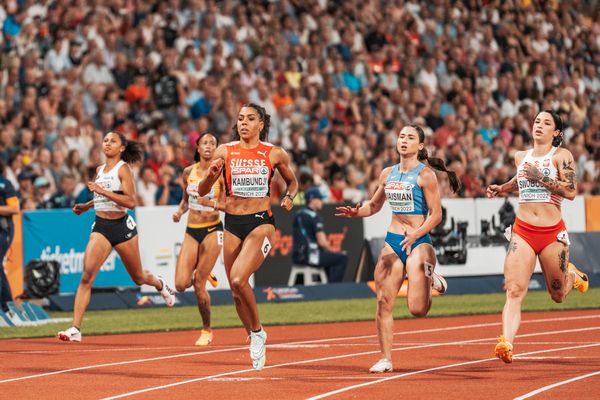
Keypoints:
(289, 196)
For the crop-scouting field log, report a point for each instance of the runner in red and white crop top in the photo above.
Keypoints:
(248, 165)
(545, 175)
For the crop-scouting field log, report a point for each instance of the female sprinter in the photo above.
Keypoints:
(545, 175)
(114, 193)
(204, 233)
(412, 191)
(248, 165)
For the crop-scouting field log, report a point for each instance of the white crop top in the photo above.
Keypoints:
(533, 191)
(111, 182)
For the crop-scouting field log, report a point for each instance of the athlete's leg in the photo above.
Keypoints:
(186, 262)
(419, 284)
(208, 254)
(389, 275)
(554, 260)
(129, 252)
(232, 245)
(518, 268)
(250, 258)
(96, 252)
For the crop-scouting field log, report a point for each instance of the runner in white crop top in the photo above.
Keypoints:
(545, 175)
(114, 192)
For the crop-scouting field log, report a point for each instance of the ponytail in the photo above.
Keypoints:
(558, 125)
(133, 150)
(264, 117)
(436, 163)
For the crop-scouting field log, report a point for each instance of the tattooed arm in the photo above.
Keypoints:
(565, 185)
(508, 187)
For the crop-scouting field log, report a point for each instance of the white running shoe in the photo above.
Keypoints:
(439, 283)
(258, 349)
(166, 293)
(70, 335)
(383, 365)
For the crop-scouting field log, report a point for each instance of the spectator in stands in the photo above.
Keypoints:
(311, 246)
(65, 197)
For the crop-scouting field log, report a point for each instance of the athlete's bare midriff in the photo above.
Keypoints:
(110, 214)
(400, 223)
(246, 205)
(539, 214)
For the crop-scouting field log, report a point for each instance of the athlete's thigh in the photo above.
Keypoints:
(255, 249)
(209, 252)
(129, 252)
(554, 259)
(419, 285)
(232, 245)
(519, 262)
(96, 252)
(186, 261)
(389, 272)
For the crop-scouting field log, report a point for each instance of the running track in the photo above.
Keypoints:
(557, 357)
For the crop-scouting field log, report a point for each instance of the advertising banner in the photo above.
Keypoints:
(160, 242)
(63, 236)
(343, 233)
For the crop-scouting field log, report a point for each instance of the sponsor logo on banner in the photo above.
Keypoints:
(288, 293)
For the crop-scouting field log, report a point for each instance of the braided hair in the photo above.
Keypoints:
(436, 163)
(263, 116)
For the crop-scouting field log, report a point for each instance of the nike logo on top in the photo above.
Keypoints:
(264, 153)
(211, 229)
(261, 215)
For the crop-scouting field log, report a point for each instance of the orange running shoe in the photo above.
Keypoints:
(205, 338)
(504, 350)
(581, 282)
(212, 279)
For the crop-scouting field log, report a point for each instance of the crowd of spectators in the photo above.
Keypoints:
(339, 78)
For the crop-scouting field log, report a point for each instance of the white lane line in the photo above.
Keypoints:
(423, 371)
(110, 349)
(543, 389)
(169, 385)
(459, 327)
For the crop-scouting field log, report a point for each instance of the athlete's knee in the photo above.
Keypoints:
(180, 286)
(87, 278)
(138, 279)
(385, 304)
(515, 290)
(418, 310)
(237, 283)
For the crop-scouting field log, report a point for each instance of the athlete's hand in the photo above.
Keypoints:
(347, 211)
(80, 208)
(532, 172)
(215, 167)
(94, 187)
(493, 191)
(176, 216)
(409, 239)
(287, 203)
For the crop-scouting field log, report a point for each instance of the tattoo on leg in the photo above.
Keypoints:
(556, 284)
(562, 260)
(512, 246)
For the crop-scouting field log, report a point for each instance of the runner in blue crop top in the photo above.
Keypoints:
(412, 191)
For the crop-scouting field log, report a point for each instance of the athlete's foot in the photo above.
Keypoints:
(383, 365)
(439, 283)
(504, 350)
(258, 349)
(206, 336)
(70, 335)
(581, 281)
(166, 293)
(212, 279)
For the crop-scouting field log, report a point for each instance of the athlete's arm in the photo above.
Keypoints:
(83, 207)
(428, 182)
(214, 171)
(508, 187)
(282, 163)
(183, 205)
(127, 199)
(566, 183)
(12, 206)
(370, 207)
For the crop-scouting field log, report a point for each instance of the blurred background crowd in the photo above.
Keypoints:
(339, 78)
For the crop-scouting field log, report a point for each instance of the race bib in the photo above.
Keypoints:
(250, 181)
(400, 196)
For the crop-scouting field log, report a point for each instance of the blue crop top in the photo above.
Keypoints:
(403, 193)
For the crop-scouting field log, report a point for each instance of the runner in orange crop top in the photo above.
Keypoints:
(545, 175)
(248, 165)
(204, 233)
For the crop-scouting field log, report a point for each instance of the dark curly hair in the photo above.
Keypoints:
(133, 150)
